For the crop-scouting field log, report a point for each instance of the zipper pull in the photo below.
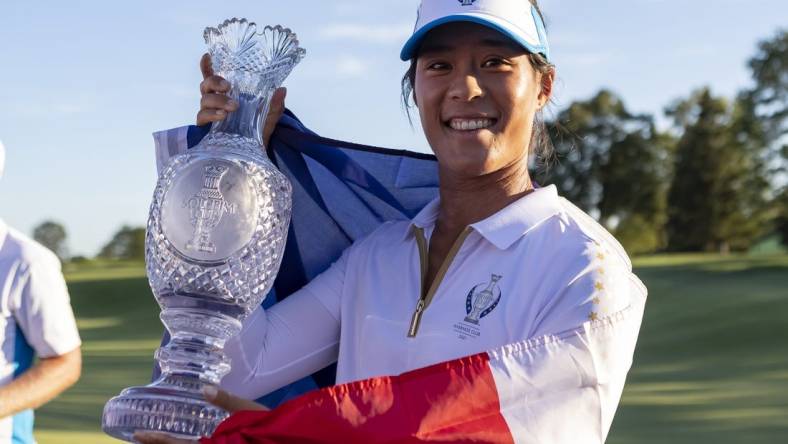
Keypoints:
(416, 320)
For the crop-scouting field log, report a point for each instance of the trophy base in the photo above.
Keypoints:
(176, 409)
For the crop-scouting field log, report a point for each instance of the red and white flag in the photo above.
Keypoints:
(560, 388)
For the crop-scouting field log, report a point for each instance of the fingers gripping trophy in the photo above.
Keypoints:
(215, 239)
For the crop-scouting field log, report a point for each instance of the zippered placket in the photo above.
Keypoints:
(426, 297)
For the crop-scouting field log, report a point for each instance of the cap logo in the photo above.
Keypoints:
(467, 2)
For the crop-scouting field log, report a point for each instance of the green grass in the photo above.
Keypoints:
(711, 364)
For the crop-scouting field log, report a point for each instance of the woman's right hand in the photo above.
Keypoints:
(215, 104)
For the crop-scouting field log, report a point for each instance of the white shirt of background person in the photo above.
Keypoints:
(36, 320)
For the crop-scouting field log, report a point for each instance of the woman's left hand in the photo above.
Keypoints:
(217, 397)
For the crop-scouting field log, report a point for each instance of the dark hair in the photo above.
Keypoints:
(541, 145)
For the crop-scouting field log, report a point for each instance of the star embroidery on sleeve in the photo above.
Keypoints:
(593, 316)
(600, 256)
(596, 300)
(598, 286)
(601, 271)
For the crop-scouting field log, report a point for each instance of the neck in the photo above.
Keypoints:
(246, 121)
(467, 200)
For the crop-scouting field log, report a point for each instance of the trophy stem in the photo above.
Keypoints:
(193, 358)
(200, 326)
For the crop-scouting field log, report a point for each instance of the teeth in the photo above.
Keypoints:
(470, 124)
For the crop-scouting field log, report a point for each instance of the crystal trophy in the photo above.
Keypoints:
(215, 239)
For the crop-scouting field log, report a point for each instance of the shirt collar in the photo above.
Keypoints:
(509, 224)
(428, 215)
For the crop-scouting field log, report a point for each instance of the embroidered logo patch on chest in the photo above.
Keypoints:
(481, 301)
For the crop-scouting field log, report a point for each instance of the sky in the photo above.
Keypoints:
(83, 84)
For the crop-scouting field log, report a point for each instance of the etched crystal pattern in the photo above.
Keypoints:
(246, 276)
(248, 59)
(180, 419)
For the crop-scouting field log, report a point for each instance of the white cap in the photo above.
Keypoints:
(2, 158)
(516, 19)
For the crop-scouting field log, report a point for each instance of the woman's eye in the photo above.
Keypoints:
(492, 63)
(437, 66)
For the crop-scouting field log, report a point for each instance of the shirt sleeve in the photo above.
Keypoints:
(597, 286)
(43, 310)
(295, 338)
(596, 316)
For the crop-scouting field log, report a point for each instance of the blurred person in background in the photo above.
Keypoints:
(36, 320)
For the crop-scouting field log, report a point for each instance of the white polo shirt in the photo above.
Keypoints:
(539, 266)
(35, 317)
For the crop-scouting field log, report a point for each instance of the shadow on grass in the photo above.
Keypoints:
(711, 365)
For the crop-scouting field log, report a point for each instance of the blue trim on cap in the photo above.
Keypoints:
(409, 50)
(542, 32)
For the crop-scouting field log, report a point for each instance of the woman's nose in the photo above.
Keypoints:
(466, 87)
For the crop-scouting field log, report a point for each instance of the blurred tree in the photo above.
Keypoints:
(582, 143)
(769, 98)
(635, 181)
(78, 259)
(717, 199)
(769, 69)
(53, 236)
(750, 134)
(615, 165)
(781, 204)
(127, 243)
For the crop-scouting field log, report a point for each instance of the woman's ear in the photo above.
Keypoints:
(546, 91)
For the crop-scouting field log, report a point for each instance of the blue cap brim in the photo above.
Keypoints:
(412, 45)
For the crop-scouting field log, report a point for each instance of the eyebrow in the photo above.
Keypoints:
(428, 48)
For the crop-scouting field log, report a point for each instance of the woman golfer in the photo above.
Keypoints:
(492, 261)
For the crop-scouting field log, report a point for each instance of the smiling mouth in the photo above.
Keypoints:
(459, 124)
